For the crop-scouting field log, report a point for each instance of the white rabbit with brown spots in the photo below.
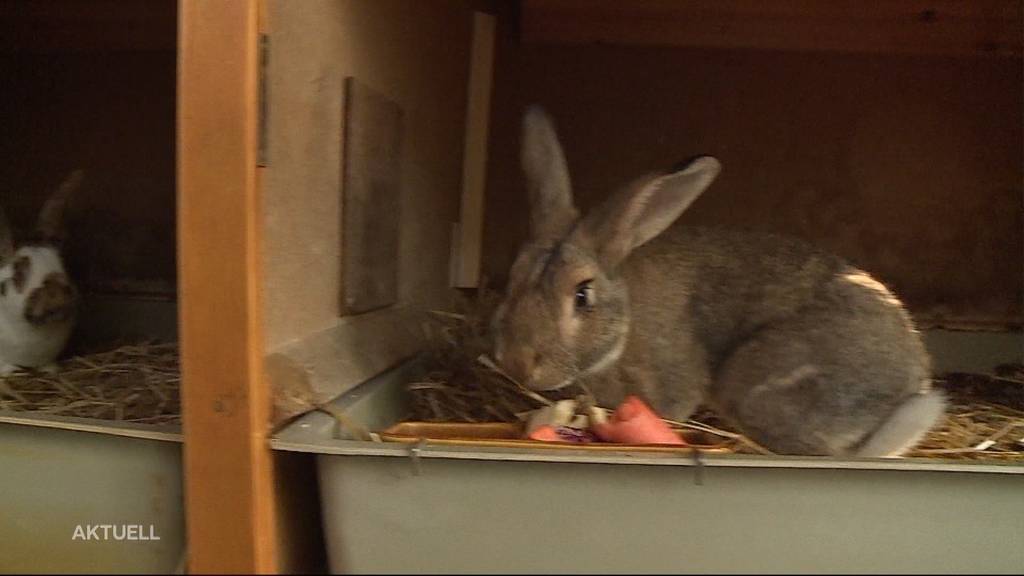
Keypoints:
(803, 352)
(38, 301)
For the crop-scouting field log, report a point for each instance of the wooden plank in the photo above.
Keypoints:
(939, 27)
(371, 194)
(474, 154)
(230, 501)
(328, 363)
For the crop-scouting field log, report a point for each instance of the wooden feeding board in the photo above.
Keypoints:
(510, 435)
(370, 205)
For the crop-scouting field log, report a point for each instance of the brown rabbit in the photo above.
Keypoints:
(803, 352)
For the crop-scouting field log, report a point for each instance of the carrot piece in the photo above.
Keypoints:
(545, 434)
(634, 422)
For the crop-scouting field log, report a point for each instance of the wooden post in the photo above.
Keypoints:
(466, 265)
(229, 494)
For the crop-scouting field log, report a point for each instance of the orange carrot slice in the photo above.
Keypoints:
(545, 434)
(634, 422)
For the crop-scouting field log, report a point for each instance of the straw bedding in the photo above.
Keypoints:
(130, 383)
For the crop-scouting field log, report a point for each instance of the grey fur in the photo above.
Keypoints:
(802, 351)
(902, 430)
(546, 177)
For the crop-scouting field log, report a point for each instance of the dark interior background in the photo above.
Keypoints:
(91, 85)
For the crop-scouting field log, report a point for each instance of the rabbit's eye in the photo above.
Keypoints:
(584, 296)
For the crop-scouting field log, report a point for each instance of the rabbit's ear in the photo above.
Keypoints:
(551, 208)
(6, 239)
(51, 218)
(641, 212)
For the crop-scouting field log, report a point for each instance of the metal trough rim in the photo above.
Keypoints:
(304, 439)
(316, 433)
(95, 426)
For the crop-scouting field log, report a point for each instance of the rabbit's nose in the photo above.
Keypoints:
(521, 363)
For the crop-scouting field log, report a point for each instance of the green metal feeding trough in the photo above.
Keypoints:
(91, 496)
(390, 507)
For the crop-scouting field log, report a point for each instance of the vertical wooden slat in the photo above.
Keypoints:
(228, 466)
(474, 155)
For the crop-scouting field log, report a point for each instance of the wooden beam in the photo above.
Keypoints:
(474, 153)
(229, 480)
(937, 27)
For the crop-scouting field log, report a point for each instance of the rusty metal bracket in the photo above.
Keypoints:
(414, 456)
(698, 471)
